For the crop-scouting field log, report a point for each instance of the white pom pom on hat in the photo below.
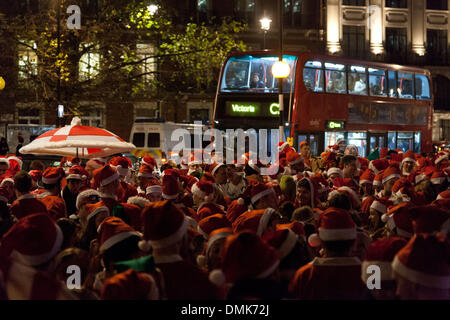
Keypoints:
(314, 240)
(201, 260)
(144, 245)
(240, 201)
(217, 277)
(384, 217)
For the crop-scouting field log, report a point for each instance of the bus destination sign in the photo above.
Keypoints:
(252, 109)
(332, 124)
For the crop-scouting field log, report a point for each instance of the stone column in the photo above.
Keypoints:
(333, 26)
(374, 16)
(417, 26)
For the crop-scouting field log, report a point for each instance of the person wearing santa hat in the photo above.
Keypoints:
(398, 220)
(236, 182)
(408, 163)
(211, 257)
(336, 275)
(263, 196)
(26, 203)
(307, 193)
(106, 181)
(123, 166)
(203, 197)
(8, 184)
(76, 178)
(295, 163)
(378, 209)
(305, 152)
(390, 176)
(90, 216)
(164, 231)
(380, 254)
(51, 197)
(349, 164)
(366, 183)
(421, 268)
(4, 165)
(144, 177)
(153, 191)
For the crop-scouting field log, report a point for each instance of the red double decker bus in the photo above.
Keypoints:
(326, 99)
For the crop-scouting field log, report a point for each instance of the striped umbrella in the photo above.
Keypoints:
(78, 141)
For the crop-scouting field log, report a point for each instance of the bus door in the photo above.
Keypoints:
(315, 140)
(376, 141)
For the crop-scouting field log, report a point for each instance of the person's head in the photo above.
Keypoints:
(4, 166)
(352, 150)
(74, 185)
(387, 186)
(349, 166)
(408, 167)
(126, 249)
(70, 229)
(22, 182)
(339, 248)
(268, 201)
(37, 165)
(255, 77)
(71, 257)
(340, 200)
(288, 187)
(367, 188)
(303, 214)
(220, 175)
(286, 210)
(304, 193)
(305, 149)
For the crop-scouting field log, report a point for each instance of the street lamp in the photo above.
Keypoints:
(2, 83)
(152, 9)
(265, 26)
(58, 70)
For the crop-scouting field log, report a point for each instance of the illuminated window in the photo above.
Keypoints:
(292, 12)
(89, 65)
(27, 60)
(405, 85)
(146, 52)
(422, 87)
(357, 80)
(313, 76)
(377, 82)
(335, 79)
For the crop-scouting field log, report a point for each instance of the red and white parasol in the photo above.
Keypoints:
(78, 141)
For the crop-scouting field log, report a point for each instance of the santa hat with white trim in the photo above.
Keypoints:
(378, 178)
(163, 225)
(353, 196)
(52, 175)
(141, 202)
(130, 285)
(203, 189)
(399, 220)
(294, 158)
(5, 180)
(335, 170)
(153, 187)
(260, 190)
(430, 218)
(149, 161)
(424, 261)
(170, 187)
(245, 256)
(282, 145)
(212, 168)
(256, 221)
(367, 177)
(112, 231)
(33, 240)
(5, 161)
(334, 224)
(36, 175)
(381, 253)
(83, 197)
(438, 177)
(77, 173)
(381, 205)
(105, 176)
(443, 195)
(121, 164)
(441, 156)
(214, 236)
(146, 171)
(391, 172)
(235, 209)
(15, 162)
(378, 165)
(93, 209)
(209, 224)
(283, 241)
(409, 156)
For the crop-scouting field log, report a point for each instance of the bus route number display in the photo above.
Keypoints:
(252, 109)
(335, 124)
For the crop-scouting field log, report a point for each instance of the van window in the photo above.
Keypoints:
(153, 140)
(139, 139)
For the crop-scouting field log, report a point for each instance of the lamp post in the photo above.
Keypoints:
(2, 83)
(58, 70)
(265, 26)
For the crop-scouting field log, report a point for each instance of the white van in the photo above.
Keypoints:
(152, 137)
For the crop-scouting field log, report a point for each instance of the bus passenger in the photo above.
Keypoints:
(256, 83)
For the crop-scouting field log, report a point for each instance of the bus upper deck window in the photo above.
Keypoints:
(335, 79)
(392, 84)
(422, 87)
(357, 80)
(405, 83)
(377, 82)
(313, 76)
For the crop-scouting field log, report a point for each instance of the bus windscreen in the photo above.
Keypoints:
(253, 73)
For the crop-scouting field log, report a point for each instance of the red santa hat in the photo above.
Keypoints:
(5, 180)
(384, 152)
(33, 240)
(204, 190)
(381, 253)
(78, 173)
(363, 163)
(153, 186)
(391, 172)
(170, 187)
(112, 231)
(334, 224)
(163, 225)
(4, 161)
(214, 236)
(84, 196)
(378, 165)
(438, 177)
(141, 202)
(350, 192)
(367, 177)
(121, 164)
(132, 215)
(256, 221)
(283, 241)
(235, 209)
(149, 161)
(36, 175)
(95, 163)
(216, 221)
(441, 156)
(130, 285)
(417, 177)
(282, 145)
(52, 175)
(399, 219)
(146, 171)
(245, 256)
(214, 167)
(395, 158)
(444, 195)
(105, 176)
(208, 209)
(15, 163)
(335, 170)
(93, 209)
(294, 226)
(424, 261)
(294, 158)
(381, 205)
(409, 156)
(430, 218)
(260, 190)
(378, 178)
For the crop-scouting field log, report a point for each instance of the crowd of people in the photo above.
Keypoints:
(334, 227)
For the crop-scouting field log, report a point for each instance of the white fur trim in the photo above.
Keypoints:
(26, 196)
(269, 270)
(17, 159)
(391, 176)
(373, 168)
(217, 167)
(174, 238)
(337, 234)
(97, 211)
(146, 175)
(264, 221)
(117, 238)
(6, 180)
(377, 205)
(288, 244)
(36, 260)
(438, 180)
(216, 237)
(139, 201)
(385, 268)
(408, 160)
(153, 189)
(283, 146)
(110, 179)
(169, 197)
(85, 194)
(217, 277)
(377, 182)
(334, 171)
(4, 161)
(352, 193)
(361, 182)
(76, 176)
(427, 280)
(441, 158)
(419, 178)
(50, 181)
(264, 193)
